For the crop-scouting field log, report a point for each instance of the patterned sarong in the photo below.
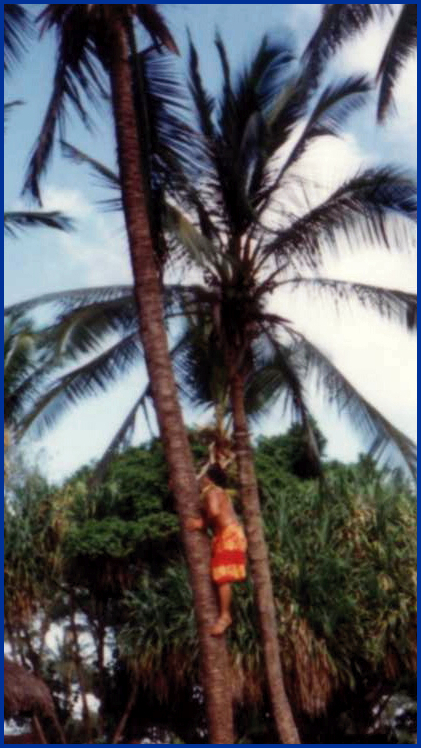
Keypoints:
(228, 562)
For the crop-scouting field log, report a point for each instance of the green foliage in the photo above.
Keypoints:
(30, 558)
(342, 555)
(290, 452)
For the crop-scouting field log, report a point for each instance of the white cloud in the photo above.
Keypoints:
(362, 53)
(69, 201)
(101, 254)
(376, 356)
(99, 245)
(96, 252)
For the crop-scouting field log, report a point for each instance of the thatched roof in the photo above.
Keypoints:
(24, 692)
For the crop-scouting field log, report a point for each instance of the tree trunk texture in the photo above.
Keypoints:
(148, 294)
(260, 569)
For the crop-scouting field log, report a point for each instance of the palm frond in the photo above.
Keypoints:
(14, 220)
(334, 105)
(277, 377)
(338, 23)
(121, 436)
(384, 438)
(89, 379)
(156, 26)
(259, 84)
(77, 72)
(400, 306)
(107, 177)
(19, 347)
(359, 210)
(193, 244)
(273, 375)
(84, 329)
(8, 107)
(162, 107)
(204, 104)
(21, 392)
(193, 299)
(199, 366)
(26, 365)
(245, 127)
(288, 110)
(73, 298)
(400, 46)
(227, 103)
(17, 31)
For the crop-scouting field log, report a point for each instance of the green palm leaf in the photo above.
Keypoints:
(25, 366)
(340, 22)
(156, 26)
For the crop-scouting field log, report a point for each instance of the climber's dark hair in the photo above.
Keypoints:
(217, 475)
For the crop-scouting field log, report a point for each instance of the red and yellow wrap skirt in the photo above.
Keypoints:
(228, 563)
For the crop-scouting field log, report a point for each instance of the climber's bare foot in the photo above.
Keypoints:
(221, 625)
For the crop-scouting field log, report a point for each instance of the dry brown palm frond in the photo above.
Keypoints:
(24, 692)
(310, 675)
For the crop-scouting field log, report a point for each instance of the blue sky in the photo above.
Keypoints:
(380, 359)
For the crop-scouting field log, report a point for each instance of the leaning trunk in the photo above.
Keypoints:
(260, 570)
(148, 294)
(119, 733)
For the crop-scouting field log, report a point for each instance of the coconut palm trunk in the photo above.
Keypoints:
(148, 294)
(259, 563)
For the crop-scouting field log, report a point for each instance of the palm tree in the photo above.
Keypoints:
(340, 22)
(250, 239)
(229, 224)
(93, 40)
(93, 313)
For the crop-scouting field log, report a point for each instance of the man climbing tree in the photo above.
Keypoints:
(228, 563)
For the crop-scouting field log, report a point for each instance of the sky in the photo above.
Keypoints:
(378, 357)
